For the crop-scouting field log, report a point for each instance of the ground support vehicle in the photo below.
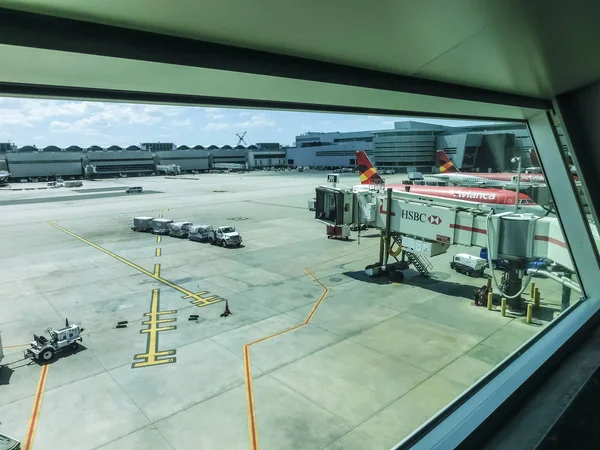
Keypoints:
(44, 349)
(224, 236)
(468, 264)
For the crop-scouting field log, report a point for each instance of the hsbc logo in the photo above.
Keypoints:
(434, 220)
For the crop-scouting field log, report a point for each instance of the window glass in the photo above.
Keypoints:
(310, 329)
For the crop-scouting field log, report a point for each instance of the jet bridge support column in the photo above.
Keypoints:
(511, 284)
(388, 226)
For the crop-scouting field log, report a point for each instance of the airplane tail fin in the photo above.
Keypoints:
(368, 173)
(444, 163)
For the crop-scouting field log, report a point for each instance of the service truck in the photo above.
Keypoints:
(224, 236)
(468, 264)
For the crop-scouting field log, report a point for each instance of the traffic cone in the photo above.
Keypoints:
(227, 310)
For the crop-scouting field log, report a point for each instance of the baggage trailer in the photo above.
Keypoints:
(143, 224)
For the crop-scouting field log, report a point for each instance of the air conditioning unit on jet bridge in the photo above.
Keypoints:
(422, 247)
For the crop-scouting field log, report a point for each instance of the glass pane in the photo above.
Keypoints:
(301, 327)
(579, 183)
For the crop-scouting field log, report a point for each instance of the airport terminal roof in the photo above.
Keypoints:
(469, 57)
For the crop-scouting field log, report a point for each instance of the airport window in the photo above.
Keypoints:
(290, 283)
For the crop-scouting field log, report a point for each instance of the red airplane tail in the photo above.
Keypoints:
(444, 163)
(368, 173)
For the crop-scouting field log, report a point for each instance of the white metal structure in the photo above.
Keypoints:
(444, 222)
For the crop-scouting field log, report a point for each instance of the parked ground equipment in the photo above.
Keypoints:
(199, 233)
(480, 296)
(338, 232)
(43, 348)
(468, 264)
(8, 443)
(224, 236)
(143, 224)
(161, 226)
(179, 229)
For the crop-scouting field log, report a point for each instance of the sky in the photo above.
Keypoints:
(62, 123)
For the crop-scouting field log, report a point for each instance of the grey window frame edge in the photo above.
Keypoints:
(470, 417)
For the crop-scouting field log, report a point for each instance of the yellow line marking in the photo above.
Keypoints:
(159, 239)
(158, 321)
(152, 330)
(197, 293)
(17, 345)
(157, 270)
(170, 311)
(252, 430)
(156, 362)
(198, 300)
(157, 252)
(152, 354)
(162, 353)
(35, 412)
(205, 302)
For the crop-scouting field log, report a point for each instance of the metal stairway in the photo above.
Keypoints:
(421, 263)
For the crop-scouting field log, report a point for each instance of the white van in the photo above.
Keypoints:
(134, 190)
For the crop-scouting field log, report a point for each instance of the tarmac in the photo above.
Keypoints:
(315, 355)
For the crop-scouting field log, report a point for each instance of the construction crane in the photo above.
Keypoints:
(241, 138)
(423, 226)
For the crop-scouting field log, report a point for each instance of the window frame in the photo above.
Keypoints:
(473, 415)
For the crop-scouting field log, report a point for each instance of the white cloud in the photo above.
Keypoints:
(246, 113)
(216, 126)
(214, 113)
(257, 121)
(78, 127)
(181, 123)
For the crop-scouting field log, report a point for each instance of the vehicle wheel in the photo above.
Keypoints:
(223, 243)
(211, 241)
(47, 354)
(238, 244)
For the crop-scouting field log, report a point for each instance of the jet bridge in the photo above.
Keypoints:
(424, 226)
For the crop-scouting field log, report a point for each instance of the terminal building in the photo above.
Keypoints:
(409, 146)
(412, 146)
(50, 162)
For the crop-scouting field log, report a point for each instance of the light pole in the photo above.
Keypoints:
(517, 159)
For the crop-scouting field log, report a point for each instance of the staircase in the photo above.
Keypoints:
(421, 263)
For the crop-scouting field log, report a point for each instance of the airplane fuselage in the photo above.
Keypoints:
(488, 179)
(499, 200)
